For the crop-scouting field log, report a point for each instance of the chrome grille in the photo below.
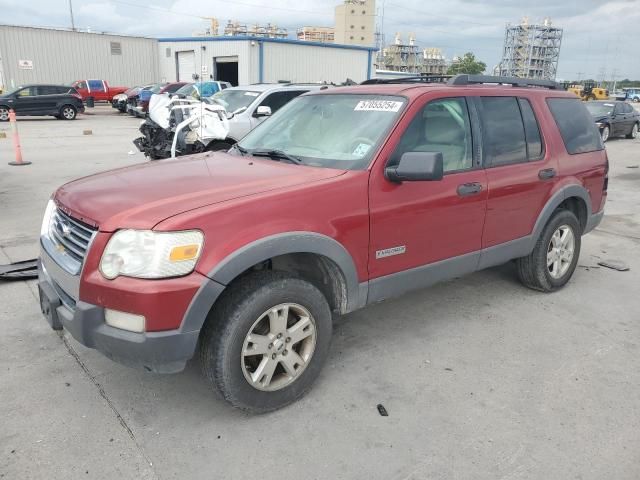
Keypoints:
(71, 235)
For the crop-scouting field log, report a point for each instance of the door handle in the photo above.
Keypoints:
(547, 174)
(467, 189)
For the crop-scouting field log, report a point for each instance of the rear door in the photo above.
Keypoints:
(97, 89)
(48, 98)
(520, 171)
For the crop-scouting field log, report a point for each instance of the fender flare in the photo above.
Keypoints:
(560, 196)
(261, 250)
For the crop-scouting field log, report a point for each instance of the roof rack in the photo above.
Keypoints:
(465, 79)
(414, 79)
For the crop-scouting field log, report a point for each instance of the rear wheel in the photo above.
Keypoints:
(555, 255)
(266, 340)
(68, 112)
(606, 132)
(634, 131)
(4, 114)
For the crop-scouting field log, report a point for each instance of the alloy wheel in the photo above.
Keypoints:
(560, 251)
(4, 114)
(605, 133)
(68, 113)
(278, 347)
(634, 131)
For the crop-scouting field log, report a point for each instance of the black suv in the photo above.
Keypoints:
(60, 101)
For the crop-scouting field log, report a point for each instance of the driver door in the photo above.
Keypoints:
(416, 224)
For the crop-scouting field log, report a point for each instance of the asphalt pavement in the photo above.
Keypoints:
(481, 377)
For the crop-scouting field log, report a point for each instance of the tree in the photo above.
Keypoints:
(467, 64)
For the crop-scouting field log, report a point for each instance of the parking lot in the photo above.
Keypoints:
(481, 377)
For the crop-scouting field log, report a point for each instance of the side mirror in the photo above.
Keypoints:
(263, 111)
(417, 166)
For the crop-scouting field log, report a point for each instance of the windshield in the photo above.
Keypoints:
(186, 90)
(600, 108)
(233, 100)
(328, 130)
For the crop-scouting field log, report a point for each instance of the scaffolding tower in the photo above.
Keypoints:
(531, 50)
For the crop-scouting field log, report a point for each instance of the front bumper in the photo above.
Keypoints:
(160, 352)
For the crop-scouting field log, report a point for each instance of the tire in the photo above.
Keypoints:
(244, 309)
(68, 112)
(534, 271)
(4, 114)
(219, 146)
(634, 131)
(606, 133)
(636, 99)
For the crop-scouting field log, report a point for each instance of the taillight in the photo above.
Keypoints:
(605, 185)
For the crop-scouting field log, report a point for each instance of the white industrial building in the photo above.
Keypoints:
(46, 55)
(246, 60)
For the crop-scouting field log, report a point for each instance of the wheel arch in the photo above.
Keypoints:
(573, 197)
(314, 257)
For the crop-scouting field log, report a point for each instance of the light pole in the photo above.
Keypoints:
(73, 25)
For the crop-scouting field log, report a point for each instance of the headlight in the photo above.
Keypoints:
(46, 220)
(149, 254)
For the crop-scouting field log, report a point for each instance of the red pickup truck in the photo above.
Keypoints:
(343, 198)
(98, 90)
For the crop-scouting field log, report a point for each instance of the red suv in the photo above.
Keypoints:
(342, 198)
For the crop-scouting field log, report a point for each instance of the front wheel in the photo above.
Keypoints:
(606, 132)
(4, 114)
(266, 340)
(555, 255)
(634, 131)
(68, 112)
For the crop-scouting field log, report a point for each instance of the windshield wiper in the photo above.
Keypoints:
(277, 155)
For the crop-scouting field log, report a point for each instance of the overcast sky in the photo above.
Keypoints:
(601, 37)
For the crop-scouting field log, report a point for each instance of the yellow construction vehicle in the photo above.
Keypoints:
(588, 91)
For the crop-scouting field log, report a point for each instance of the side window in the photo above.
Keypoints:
(82, 85)
(578, 131)
(27, 92)
(503, 130)
(277, 100)
(627, 108)
(531, 130)
(441, 126)
(47, 90)
(96, 86)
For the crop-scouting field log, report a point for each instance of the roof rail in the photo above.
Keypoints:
(465, 79)
(415, 79)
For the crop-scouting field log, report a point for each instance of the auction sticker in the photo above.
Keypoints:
(378, 106)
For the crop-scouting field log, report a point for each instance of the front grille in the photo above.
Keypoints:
(71, 235)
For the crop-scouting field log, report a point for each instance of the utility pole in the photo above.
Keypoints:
(73, 25)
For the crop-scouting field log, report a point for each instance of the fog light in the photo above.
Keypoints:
(124, 321)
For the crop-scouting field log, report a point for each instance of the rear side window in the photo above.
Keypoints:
(277, 100)
(504, 138)
(577, 128)
(531, 130)
(47, 90)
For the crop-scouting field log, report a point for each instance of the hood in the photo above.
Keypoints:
(141, 196)
(600, 118)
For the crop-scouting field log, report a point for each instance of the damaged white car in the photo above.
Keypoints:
(178, 126)
(228, 115)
